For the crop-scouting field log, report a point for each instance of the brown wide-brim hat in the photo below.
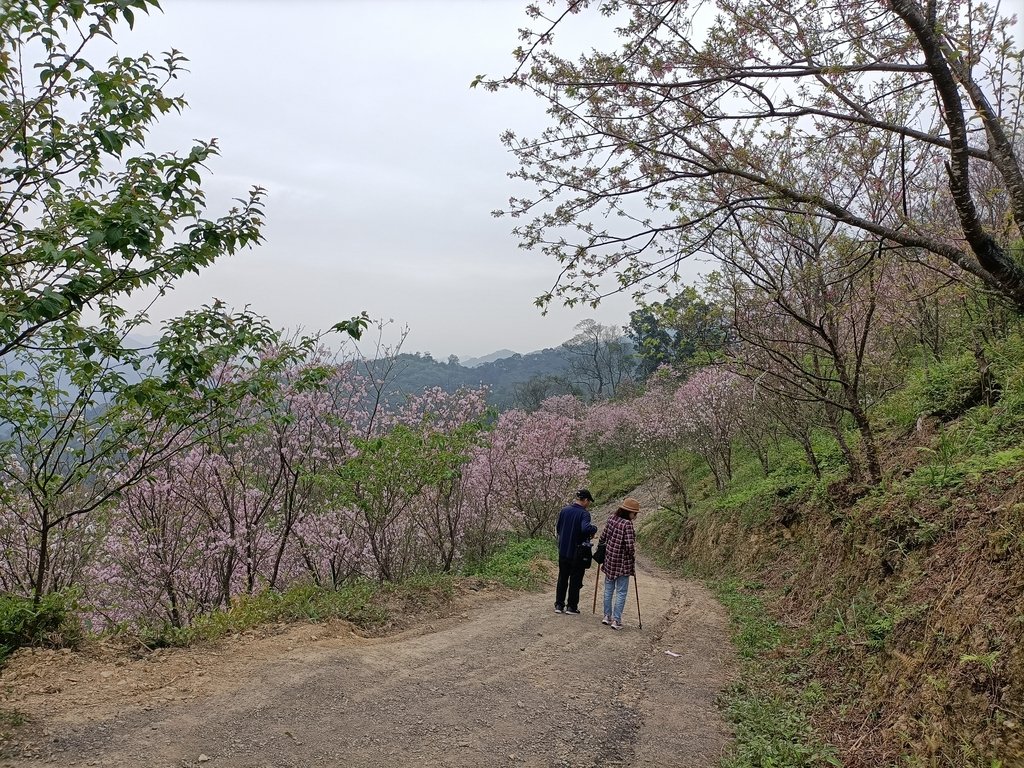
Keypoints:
(630, 504)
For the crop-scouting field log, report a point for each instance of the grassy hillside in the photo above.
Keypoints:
(882, 625)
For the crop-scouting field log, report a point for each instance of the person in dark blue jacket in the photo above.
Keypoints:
(574, 527)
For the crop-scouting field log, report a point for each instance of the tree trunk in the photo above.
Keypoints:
(172, 596)
(867, 436)
(836, 426)
(812, 458)
(39, 581)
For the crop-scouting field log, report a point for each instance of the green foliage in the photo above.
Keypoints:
(658, 533)
(937, 470)
(756, 500)
(949, 474)
(353, 602)
(830, 455)
(92, 216)
(986, 661)
(878, 629)
(50, 622)
(686, 329)
(1007, 356)
(421, 584)
(753, 496)
(772, 733)
(905, 530)
(754, 631)
(615, 480)
(391, 469)
(944, 388)
(770, 720)
(869, 618)
(515, 563)
(387, 474)
(899, 409)
(752, 501)
(952, 388)
(354, 326)
(1000, 426)
(11, 718)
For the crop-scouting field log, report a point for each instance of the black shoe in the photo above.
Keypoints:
(572, 611)
(559, 609)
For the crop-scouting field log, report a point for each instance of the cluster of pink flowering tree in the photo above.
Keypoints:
(165, 482)
(303, 475)
(713, 406)
(81, 433)
(524, 473)
(298, 486)
(703, 414)
(658, 428)
(610, 430)
(220, 514)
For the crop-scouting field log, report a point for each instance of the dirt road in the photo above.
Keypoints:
(503, 681)
(506, 682)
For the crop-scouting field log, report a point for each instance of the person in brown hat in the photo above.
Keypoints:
(619, 538)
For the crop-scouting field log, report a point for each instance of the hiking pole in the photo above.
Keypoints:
(597, 578)
(637, 593)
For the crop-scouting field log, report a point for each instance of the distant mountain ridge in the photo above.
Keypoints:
(504, 376)
(475, 362)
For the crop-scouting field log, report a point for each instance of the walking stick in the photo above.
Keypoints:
(597, 578)
(637, 593)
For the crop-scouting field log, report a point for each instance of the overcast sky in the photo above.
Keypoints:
(381, 164)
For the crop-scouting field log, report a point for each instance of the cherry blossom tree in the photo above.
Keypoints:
(805, 301)
(659, 437)
(240, 510)
(527, 470)
(162, 562)
(712, 405)
(78, 422)
(609, 431)
(332, 548)
(877, 118)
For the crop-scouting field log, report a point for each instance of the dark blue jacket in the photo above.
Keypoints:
(573, 527)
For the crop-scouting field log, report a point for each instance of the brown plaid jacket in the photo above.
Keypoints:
(619, 539)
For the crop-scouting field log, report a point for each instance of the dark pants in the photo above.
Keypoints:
(570, 582)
